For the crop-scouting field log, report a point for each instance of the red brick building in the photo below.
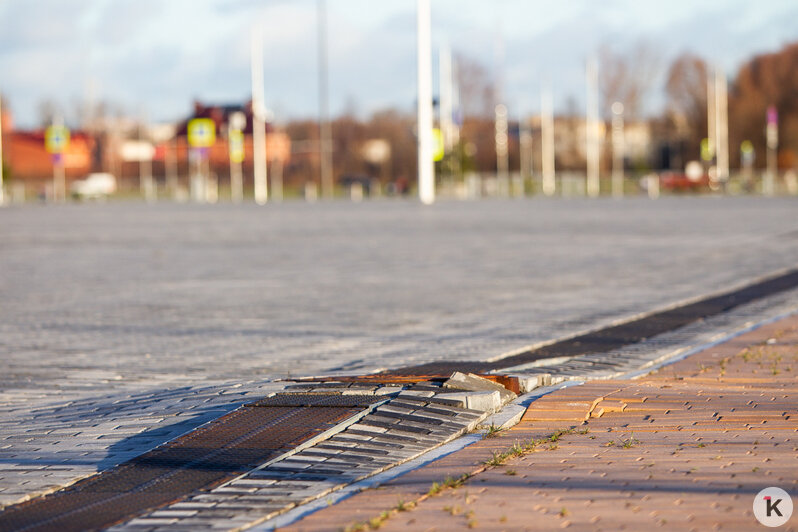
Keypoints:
(29, 162)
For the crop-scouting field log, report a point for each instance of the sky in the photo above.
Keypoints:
(154, 57)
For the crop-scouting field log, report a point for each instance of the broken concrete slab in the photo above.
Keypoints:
(475, 383)
(483, 401)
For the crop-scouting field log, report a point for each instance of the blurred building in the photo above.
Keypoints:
(570, 134)
(29, 164)
(170, 142)
(124, 147)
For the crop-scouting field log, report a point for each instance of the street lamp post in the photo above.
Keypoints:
(547, 143)
(146, 182)
(258, 122)
(325, 128)
(591, 129)
(772, 139)
(235, 148)
(426, 165)
(721, 126)
(618, 142)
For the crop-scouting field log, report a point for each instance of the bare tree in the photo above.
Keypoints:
(627, 78)
(47, 111)
(765, 80)
(686, 89)
(477, 90)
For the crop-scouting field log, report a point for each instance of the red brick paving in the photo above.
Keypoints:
(685, 448)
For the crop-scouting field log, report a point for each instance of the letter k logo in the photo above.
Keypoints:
(777, 507)
(772, 506)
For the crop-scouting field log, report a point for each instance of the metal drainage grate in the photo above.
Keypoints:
(618, 336)
(202, 459)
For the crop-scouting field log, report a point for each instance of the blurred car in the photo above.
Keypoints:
(677, 181)
(95, 186)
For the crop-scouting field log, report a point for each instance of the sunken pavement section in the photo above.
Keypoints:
(319, 435)
(269, 456)
(685, 448)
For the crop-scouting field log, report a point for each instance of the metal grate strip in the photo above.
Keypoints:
(202, 459)
(618, 336)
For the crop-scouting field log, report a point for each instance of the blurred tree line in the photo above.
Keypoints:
(625, 77)
(765, 80)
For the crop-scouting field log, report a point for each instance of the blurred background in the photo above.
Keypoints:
(101, 98)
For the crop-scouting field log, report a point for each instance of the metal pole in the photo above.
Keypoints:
(772, 138)
(170, 162)
(525, 148)
(591, 129)
(617, 149)
(145, 168)
(426, 165)
(325, 128)
(711, 123)
(547, 143)
(502, 158)
(446, 108)
(236, 180)
(455, 162)
(721, 126)
(59, 172)
(258, 122)
(500, 121)
(277, 180)
(446, 97)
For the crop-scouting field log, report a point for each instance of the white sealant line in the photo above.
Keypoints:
(681, 355)
(646, 313)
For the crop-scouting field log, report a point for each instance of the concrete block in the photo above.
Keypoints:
(527, 383)
(483, 401)
(509, 416)
(388, 390)
(416, 393)
(475, 383)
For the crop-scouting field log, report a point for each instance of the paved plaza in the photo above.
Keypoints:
(125, 324)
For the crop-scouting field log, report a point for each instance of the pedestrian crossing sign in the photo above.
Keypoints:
(56, 139)
(201, 133)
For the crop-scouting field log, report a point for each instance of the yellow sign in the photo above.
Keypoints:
(437, 145)
(236, 145)
(56, 139)
(201, 133)
(707, 150)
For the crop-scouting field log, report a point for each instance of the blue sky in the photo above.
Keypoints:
(155, 56)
